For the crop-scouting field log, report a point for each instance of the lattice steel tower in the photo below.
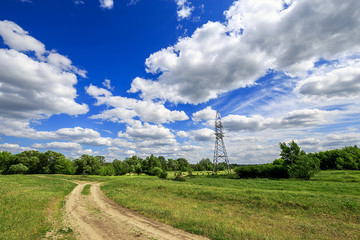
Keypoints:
(220, 150)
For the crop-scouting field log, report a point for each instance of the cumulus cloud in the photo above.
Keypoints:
(182, 134)
(294, 119)
(66, 146)
(19, 39)
(257, 36)
(203, 135)
(341, 82)
(13, 148)
(204, 115)
(79, 135)
(35, 88)
(106, 4)
(125, 109)
(146, 131)
(184, 9)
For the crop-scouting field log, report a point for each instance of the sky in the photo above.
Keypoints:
(138, 77)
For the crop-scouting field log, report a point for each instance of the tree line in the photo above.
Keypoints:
(294, 162)
(51, 162)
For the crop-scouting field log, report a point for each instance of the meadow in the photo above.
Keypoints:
(326, 207)
(30, 207)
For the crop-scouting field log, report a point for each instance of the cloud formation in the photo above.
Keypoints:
(35, 87)
(294, 119)
(184, 9)
(126, 109)
(220, 57)
(106, 4)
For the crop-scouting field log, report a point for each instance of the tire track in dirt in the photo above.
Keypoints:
(96, 217)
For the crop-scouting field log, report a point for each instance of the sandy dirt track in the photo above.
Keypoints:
(96, 217)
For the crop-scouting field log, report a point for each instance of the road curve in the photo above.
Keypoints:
(95, 217)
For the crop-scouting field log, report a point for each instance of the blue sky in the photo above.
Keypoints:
(140, 77)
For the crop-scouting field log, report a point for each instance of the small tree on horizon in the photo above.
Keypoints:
(299, 164)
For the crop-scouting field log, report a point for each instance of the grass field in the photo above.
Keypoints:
(30, 206)
(327, 207)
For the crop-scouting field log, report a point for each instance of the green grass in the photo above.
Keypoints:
(326, 207)
(86, 190)
(30, 206)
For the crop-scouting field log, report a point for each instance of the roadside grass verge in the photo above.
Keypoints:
(327, 207)
(86, 190)
(30, 207)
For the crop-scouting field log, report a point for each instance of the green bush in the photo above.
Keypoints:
(262, 171)
(179, 177)
(155, 171)
(18, 169)
(304, 167)
(163, 175)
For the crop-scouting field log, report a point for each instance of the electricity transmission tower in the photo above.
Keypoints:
(220, 150)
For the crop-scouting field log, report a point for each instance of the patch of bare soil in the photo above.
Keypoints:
(96, 217)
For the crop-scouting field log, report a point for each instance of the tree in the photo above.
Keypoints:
(87, 164)
(290, 153)
(64, 166)
(49, 160)
(5, 160)
(183, 164)
(205, 165)
(153, 162)
(120, 167)
(304, 167)
(18, 169)
(138, 169)
(101, 159)
(299, 164)
(172, 165)
(163, 163)
(107, 170)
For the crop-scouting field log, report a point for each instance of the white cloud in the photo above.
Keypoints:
(204, 115)
(35, 88)
(202, 135)
(257, 36)
(125, 109)
(19, 39)
(66, 146)
(106, 4)
(79, 135)
(79, 2)
(146, 131)
(294, 119)
(182, 134)
(133, 2)
(107, 83)
(32, 89)
(13, 148)
(184, 9)
(341, 82)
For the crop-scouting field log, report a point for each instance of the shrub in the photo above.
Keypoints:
(304, 167)
(163, 174)
(107, 170)
(179, 177)
(18, 169)
(155, 171)
(262, 171)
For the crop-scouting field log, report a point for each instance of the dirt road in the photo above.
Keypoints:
(96, 217)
